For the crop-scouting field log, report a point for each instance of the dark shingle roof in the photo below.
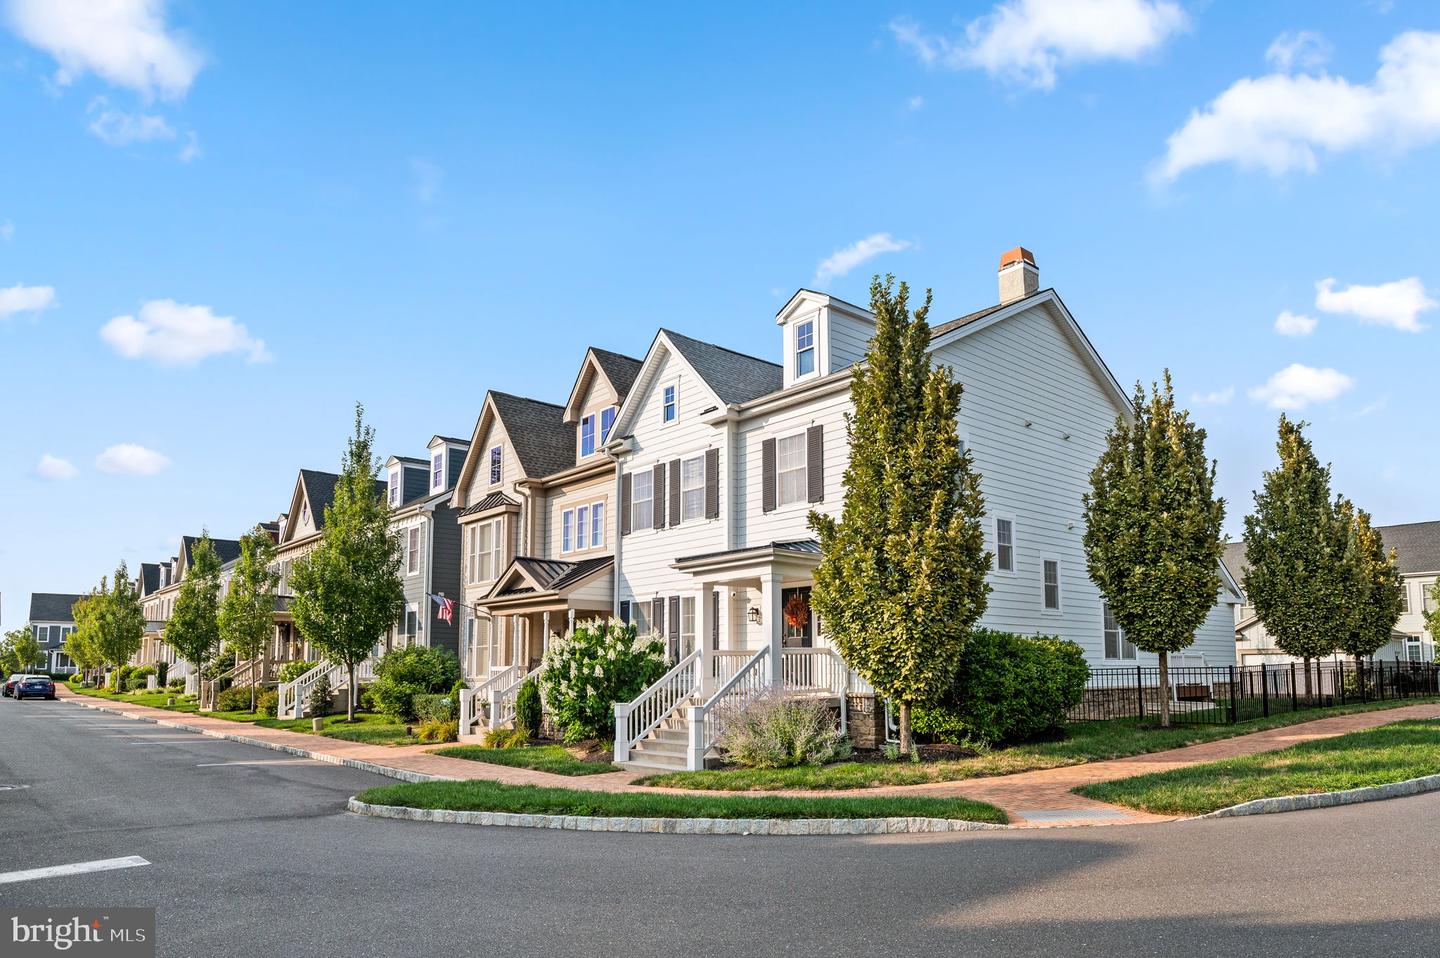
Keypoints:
(52, 606)
(619, 369)
(538, 432)
(493, 501)
(1234, 559)
(802, 546)
(320, 491)
(149, 577)
(1416, 545)
(227, 550)
(735, 377)
(979, 314)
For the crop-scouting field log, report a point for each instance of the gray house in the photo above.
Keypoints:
(51, 622)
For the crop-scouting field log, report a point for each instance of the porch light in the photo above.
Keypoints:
(753, 614)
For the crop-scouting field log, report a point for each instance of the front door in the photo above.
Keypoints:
(797, 622)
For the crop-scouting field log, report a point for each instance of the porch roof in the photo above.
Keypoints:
(495, 500)
(529, 579)
(792, 555)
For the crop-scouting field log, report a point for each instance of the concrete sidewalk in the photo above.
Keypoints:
(1039, 799)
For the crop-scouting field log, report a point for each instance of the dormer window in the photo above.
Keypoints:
(607, 419)
(804, 348)
(587, 435)
(495, 465)
(669, 404)
(437, 471)
(305, 512)
(394, 487)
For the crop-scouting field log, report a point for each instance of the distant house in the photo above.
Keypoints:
(51, 622)
(1417, 553)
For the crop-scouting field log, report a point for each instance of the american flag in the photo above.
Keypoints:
(447, 609)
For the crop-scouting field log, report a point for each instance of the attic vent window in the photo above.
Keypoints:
(669, 405)
(805, 348)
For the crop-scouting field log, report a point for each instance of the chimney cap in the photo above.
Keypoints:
(1017, 255)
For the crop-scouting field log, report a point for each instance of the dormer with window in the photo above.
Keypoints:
(447, 456)
(821, 335)
(595, 399)
(406, 480)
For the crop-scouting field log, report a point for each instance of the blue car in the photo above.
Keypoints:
(35, 687)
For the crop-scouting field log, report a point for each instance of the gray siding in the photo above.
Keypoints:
(445, 578)
(416, 484)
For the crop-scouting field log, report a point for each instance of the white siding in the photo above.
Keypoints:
(751, 525)
(848, 339)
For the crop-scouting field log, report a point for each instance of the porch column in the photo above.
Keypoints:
(704, 623)
(771, 612)
(545, 633)
(571, 623)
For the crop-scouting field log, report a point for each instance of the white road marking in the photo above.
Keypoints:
(78, 868)
(261, 761)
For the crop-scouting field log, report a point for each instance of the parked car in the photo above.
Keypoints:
(35, 687)
(13, 681)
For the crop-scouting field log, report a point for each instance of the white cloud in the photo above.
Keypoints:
(1029, 40)
(53, 467)
(128, 459)
(1297, 386)
(1280, 121)
(118, 128)
(124, 42)
(427, 178)
(1302, 48)
(18, 299)
(842, 261)
(1295, 324)
(1217, 398)
(1398, 304)
(915, 103)
(178, 334)
(7, 231)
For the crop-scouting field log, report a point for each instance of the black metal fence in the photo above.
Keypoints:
(1222, 695)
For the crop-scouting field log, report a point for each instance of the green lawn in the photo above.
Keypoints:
(542, 758)
(530, 800)
(1378, 756)
(1084, 742)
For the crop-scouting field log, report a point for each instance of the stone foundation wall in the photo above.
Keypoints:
(866, 720)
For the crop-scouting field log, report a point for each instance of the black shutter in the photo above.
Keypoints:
(657, 615)
(625, 611)
(625, 504)
(674, 492)
(815, 462)
(767, 475)
(657, 496)
(675, 618)
(715, 620)
(712, 483)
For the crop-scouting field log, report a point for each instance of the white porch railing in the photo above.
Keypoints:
(724, 664)
(706, 721)
(502, 697)
(474, 698)
(637, 719)
(295, 696)
(813, 670)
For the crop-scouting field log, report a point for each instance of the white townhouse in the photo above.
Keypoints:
(722, 456)
(1417, 553)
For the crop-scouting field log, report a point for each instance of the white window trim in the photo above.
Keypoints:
(567, 524)
(813, 348)
(1119, 631)
(490, 465)
(701, 456)
(675, 385)
(393, 490)
(412, 552)
(593, 417)
(996, 519)
(440, 483)
(804, 499)
(1059, 608)
(600, 543)
(602, 434)
(636, 500)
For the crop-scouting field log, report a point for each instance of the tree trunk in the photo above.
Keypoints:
(350, 695)
(905, 743)
(252, 686)
(1164, 690)
(1309, 687)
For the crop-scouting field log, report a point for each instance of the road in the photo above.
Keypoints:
(251, 853)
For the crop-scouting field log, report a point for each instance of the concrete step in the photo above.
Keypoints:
(650, 767)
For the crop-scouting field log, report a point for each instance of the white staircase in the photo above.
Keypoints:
(475, 701)
(295, 696)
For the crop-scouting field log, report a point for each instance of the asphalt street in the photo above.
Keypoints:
(251, 853)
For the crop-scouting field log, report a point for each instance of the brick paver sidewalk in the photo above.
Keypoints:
(1032, 799)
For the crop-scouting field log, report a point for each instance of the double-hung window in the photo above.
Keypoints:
(582, 527)
(1404, 597)
(1427, 596)
(669, 404)
(1005, 545)
(790, 469)
(395, 488)
(692, 488)
(1051, 584)
(804, 348)
(1116, 645)
(495, 454)
(487, 543)
(642, 499)
(437, 470)
(472, 552)
(597, 525)
(412, 556)
(607, 419)
(567, 530)
(587, 435)
(687, 624)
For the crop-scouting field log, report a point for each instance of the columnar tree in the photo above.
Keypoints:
(1432, 610)
(1152, 528)
(348, 590)
(120, 620)
(193, 629)
(83, 644)
(901, 579)
(1375, 586)
(247, 613)
(1297, 549)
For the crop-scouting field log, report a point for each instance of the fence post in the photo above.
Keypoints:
(1342, 683)
(1294, 696)
(1264, 691)
(1140, 690)
(1233, 716)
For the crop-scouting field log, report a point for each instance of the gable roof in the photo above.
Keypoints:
(547, 575)
(149, 577)
(227, 550)
(319, 490)
(537, 431)
(52, 606)
(619, 369)
(1416, 545)
(492, 501)
(734, 377)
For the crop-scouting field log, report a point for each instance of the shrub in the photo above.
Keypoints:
(591, 668)
(1009, 688)
(528, 708)
(506, 738)
(779, 731)
(402, 674)
(234, 699)
(428, 706)
(437, 730)
(318, 705)
(175, 685)
(135, 678)
(268, 702)
(365, 701)
(291, 671)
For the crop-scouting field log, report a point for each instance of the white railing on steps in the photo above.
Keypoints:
(707, 720)
(637, 719)
(502, 697)
(474, 699)
(294, 697)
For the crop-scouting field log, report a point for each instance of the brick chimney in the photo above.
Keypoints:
(1019, 277)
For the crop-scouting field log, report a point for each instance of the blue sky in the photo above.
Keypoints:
(222, 224)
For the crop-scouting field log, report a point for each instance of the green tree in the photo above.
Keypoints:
(83, 644)
(247, 613)
(348, 590)
(120, 620)
(901, 579)
(20, 651)
(1152, 528)
(193, 629)
(1432, 615)
(1297, 548)
(1375, 586)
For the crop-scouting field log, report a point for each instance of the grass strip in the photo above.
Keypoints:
(554, 759)
(483, 796)
(1378, 756)
(1083, 742)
